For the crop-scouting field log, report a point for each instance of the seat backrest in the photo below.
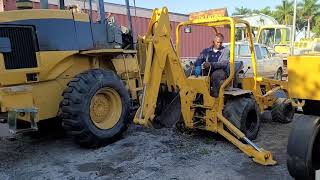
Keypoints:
(238, 66)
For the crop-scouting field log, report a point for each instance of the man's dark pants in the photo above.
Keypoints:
(217, 78)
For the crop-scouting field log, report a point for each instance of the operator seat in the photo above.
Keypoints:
(238, 66)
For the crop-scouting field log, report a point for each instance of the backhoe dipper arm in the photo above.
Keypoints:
(161, 57)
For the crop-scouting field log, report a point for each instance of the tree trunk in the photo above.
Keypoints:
(308, 29)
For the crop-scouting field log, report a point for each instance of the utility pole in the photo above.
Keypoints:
(293, 34)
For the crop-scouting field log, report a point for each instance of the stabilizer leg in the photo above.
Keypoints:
(257, 154)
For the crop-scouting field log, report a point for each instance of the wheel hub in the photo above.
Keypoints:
(101, 107)
(105, 108)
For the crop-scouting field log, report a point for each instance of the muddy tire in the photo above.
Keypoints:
(95, 108)
(243, 112)
(304, 148)
(282, 110)
(311, 107)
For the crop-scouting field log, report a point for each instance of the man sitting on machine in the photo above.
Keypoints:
(217, 57)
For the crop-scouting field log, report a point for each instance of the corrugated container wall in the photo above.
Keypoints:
(191, 44)
(11, 5)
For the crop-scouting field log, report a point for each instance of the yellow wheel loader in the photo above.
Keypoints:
(62, 63)
(235, 114)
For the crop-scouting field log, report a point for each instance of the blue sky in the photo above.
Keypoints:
(184, 6)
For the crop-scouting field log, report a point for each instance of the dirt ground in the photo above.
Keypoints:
(141, 154)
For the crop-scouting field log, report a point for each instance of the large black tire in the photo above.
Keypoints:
(76, 107)
(311, 107)
(243, 112)
(282, 110)
(304, 148)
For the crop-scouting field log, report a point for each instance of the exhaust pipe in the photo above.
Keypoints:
(129, 24)
(129, 15)
(102, 12)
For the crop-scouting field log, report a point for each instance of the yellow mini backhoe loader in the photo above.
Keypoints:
(235, 114)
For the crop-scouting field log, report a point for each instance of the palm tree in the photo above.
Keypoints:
(266, 11)
(255, 11)
(284, 12)
(316, 27)
(241, 11)
(309, 10)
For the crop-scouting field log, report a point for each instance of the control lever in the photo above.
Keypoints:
(244, 74)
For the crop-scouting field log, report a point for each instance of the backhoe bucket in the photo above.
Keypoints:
(170, 114)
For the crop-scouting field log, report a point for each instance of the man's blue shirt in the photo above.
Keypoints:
(210, 54)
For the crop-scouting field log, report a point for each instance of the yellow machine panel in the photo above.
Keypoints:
(9, 16)
(304, 80)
